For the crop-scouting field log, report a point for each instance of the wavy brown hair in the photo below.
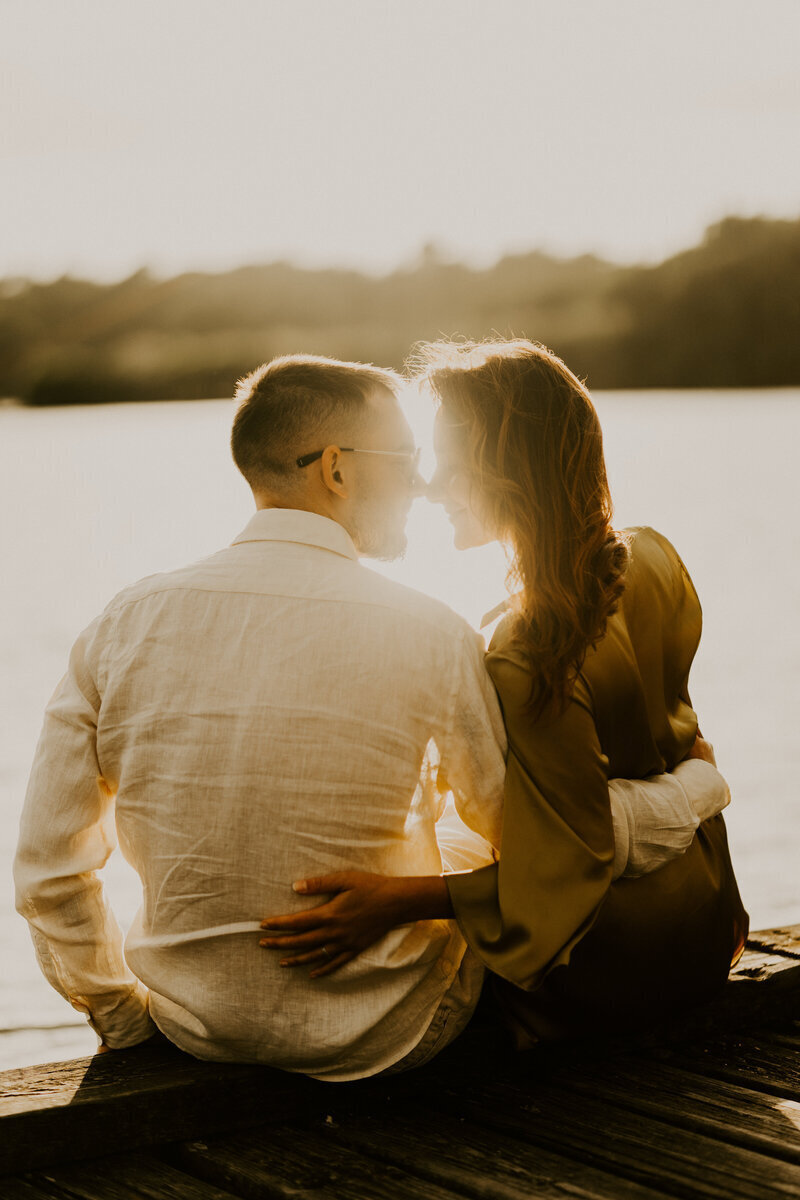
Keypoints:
(533, 450)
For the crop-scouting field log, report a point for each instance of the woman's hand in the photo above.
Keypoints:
(703, 750)
(363, 908)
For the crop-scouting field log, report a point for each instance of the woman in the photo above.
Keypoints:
(591, 665)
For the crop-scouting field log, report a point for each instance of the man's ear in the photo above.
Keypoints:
(333, 475)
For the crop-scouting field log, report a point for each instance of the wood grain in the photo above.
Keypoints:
(725, 1111)
(291, 1162)
(125, 1177)
(706, 1108)
(64, 1112)
(785, 940)
(753, 1062)
(627, 1143)
(476, 1160)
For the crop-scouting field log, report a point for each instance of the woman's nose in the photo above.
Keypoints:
(432, 490)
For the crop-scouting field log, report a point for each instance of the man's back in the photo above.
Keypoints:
(264, 715)
(258, 717)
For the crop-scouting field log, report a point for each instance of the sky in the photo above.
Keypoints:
(184, 134)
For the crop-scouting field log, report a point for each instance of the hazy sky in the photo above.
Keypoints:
(185, 133)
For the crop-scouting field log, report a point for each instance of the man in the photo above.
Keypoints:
(261, 716)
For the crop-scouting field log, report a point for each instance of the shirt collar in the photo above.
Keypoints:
(296, 525)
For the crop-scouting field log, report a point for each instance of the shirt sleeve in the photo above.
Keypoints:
(66, 836)
(474, 744)
(655, 819)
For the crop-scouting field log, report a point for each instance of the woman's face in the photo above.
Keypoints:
(451, 487)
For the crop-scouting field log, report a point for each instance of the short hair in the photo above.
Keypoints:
(290, 406)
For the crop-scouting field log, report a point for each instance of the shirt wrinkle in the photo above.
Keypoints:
(255, 736)
(264, 717)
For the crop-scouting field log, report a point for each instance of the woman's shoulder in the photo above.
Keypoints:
(509, 667)
(654, 561)
(658, 592)
(650, 554)
(507, 663)
(505, 646)
(644, 542)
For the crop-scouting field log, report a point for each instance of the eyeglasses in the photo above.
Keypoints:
(411, 456)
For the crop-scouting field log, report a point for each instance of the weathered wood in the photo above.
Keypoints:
(152, 1095)
(785, 940)
(64, 1112)
(289, 1161)
(123, 1177)
(20, 1188)
(625, 1143)
(781, 1037)
(464, 1155)
(751, 1062)
(725, 1111)
(86, 1081)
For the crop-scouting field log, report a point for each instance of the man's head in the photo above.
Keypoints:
(341, 421)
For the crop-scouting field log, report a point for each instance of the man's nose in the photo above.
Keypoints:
(418, 486)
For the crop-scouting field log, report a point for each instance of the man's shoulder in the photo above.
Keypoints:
(358, 584)
(186, 576)
(402, 600)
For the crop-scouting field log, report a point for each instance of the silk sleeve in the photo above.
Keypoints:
(523, 914)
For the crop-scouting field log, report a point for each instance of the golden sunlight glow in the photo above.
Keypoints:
(194, 134)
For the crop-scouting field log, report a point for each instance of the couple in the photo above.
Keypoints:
(269, 714)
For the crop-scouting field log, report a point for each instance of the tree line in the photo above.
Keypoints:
(725, 313)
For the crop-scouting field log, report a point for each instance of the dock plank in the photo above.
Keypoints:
(62, 1112)
(124, 1177)
(155, 1094)
(290, 1162)
(785, 940)
(626, 1143)
(706, 1108)
(478, 1162)
(725, 1111)
(155, 1064)
(20, 1188)
(753, 1062)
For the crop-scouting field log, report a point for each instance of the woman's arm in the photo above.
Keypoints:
(363, 908)
(523, 914)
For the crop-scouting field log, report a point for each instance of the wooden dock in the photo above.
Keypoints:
(709, 1108)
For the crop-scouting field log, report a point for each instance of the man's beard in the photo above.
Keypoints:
(377, 533)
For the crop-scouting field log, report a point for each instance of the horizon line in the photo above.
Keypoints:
(429, 254)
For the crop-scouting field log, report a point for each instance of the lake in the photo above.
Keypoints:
(94, 498)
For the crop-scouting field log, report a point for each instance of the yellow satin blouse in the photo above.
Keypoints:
(546, 918)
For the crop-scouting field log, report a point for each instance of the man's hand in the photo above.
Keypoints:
(702, 749)
(362, 909)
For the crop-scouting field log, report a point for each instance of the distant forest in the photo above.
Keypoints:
(725, 313)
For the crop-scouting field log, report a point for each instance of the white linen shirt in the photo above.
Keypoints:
(255, 718)
(260, 716)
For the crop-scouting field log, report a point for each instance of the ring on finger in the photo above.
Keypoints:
(327, 953)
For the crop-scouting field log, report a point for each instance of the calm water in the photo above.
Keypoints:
(94, 498)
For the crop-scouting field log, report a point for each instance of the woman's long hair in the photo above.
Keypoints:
(533, 450)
